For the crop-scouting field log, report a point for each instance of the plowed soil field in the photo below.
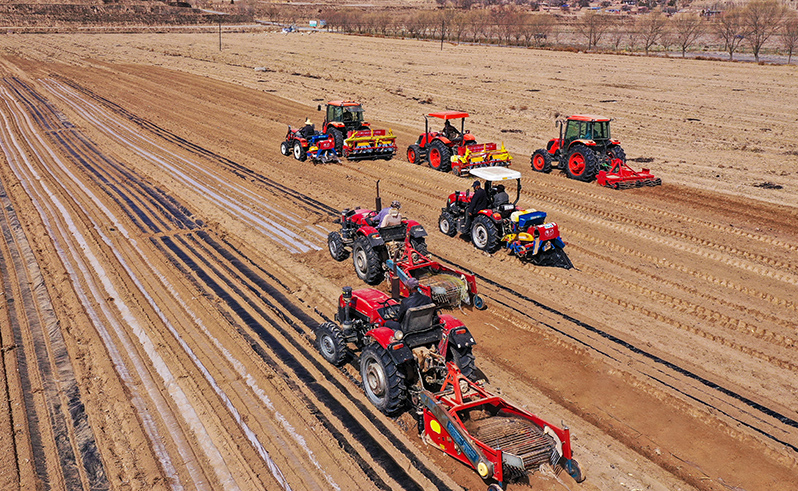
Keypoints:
(164, 267)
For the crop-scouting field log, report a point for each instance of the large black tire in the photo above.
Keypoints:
(336, 246)
(446, 224)
(541, 161)
(440, 156)
(464, 359)
(285, 149)
(581, 163)
(616, 152)
(484, 234)
(367, 262)
(299, 152)
(383, 381)
(331, 343)
(420, 245)
(414, 154)
(338, 138)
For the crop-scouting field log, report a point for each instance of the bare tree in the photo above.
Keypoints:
(687, 28)
(651, 28)
(618, 30)
(537, 28)
(592, 26)
(504, 18)
(458, 25)
(730, 29)
(762, 19)
(789, 36)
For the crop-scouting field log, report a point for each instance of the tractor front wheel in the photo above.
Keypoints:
(541, 161)
(414, 154)
(338, 138)
(446, 224)
(285, 149)
(383, 381)
(582, 163)
(336, 246)
(299, 152)
(440, 156)
(367, 262)
(331, 343)
(484, 234)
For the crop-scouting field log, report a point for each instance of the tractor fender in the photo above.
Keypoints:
(372, 234)
(416, 230)
(489, 213)
(397, 350)
(455, 333)
(589, 143)
(553, 145)
(336, 124)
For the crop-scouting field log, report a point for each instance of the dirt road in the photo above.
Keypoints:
(164, 266)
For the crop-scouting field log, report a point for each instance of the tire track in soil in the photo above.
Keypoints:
(331, 212)
(78, 267)
(190, 268)
(43, 360)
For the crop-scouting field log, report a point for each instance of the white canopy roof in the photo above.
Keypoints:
(495, 173)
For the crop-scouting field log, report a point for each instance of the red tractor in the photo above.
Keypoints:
(354, 137)
(455, 150)
(394, 362)
(585, 151)
(523, 232)
(371, 245)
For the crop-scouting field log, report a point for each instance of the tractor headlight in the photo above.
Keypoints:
(398, 335)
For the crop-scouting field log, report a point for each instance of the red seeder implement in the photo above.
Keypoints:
(621, 176)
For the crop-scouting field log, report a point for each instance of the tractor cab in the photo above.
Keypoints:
(348, 113)
(593, 131)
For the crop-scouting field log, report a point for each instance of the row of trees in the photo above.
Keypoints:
(754, 25)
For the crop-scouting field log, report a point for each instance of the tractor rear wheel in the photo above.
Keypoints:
(367, 262)
(414, 154)
(446, 224)
(420, 245)
(331, 343)
(285, 149)
(338, 138)
(336, 246)
(299, 153)
(582, 163)
(541, 161)
(484, 234)
(440, 156)
(464, 359)
(616, 152)
(383, 381)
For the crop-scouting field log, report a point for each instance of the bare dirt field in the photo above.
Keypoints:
(164, 266)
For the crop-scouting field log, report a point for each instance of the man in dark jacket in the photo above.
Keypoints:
(415, 299)
(479, 201)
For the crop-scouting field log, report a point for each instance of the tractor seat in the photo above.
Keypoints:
(505, 209)
(419, 319)
(393, 233)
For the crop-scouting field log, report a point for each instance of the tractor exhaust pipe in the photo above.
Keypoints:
(378, 201)
(347, 296)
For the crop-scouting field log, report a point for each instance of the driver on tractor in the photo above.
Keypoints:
(450, 131)
(479, 201)
(415, 299)
(308, 130)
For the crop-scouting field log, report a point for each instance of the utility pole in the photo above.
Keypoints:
(220, 33)
(443, 32)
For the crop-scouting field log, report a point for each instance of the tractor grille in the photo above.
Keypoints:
(446, 290)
